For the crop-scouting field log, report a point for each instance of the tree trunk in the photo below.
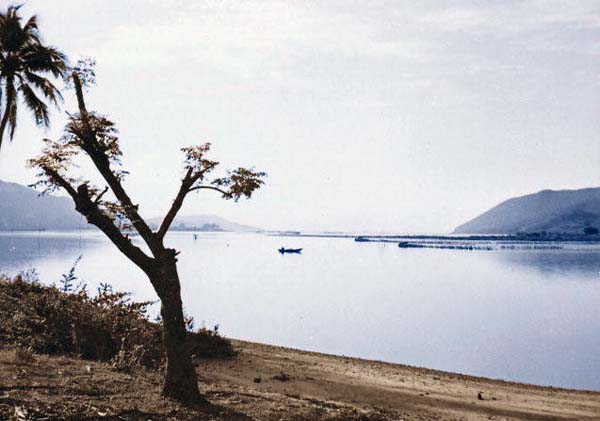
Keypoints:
(181, 382)
(9, 88)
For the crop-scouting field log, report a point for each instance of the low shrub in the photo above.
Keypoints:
(206, 343)
(106, 326)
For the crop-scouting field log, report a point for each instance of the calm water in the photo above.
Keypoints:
(531, 316)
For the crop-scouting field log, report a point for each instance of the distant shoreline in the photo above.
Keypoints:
(524, 238)
(513, 238)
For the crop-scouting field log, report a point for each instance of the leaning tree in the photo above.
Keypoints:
(113, 211)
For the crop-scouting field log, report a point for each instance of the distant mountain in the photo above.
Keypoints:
(204, 223)
(557, 211)
(21, 208)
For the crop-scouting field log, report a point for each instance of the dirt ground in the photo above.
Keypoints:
(272, 383)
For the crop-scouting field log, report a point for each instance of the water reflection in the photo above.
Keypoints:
(24, 250)
(569, 264)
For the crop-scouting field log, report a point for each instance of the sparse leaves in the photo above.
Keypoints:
(56, 158)
(240, 182)
(116, 212)
(196, 161)
(56, 155)
(104, 135)
(85, 69)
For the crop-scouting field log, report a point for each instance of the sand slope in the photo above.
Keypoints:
(273, 383)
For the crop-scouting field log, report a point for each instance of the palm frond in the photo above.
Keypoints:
(12, 35)
(41, 58)
(36, 105)
(45, 86)
(25, 63)
(31, 25)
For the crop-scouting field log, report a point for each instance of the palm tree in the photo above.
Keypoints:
(24, 63)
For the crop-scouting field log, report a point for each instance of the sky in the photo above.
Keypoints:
(378, 116)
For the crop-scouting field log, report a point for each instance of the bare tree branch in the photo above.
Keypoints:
(186, 183)
(239, 182)
(62, 182)
(79, 93)
(223, 192)
(95, 216)
(197, 167)
(99, 197)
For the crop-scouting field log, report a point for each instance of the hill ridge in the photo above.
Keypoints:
(23, 208)
(564, 211)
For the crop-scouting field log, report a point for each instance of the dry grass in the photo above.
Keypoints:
(107, 326)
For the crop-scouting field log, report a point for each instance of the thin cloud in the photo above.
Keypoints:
(247, 38)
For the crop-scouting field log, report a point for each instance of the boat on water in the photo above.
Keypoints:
(283, 250)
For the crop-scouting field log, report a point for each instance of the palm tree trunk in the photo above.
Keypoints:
(3, 123)
(9, 88)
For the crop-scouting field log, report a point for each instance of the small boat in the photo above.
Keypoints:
(283, 250)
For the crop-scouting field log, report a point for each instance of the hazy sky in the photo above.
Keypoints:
(394, 116)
